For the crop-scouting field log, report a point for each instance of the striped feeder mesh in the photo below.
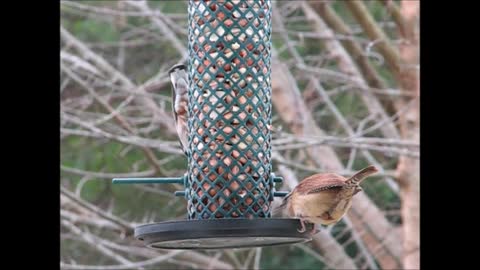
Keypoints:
(229, 185)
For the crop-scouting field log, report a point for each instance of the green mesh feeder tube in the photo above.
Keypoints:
(230, 109)
(229, 185)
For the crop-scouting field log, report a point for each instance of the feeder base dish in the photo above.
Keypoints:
(222, 233)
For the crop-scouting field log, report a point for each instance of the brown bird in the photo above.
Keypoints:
(323, 198)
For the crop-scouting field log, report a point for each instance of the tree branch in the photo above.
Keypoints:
(339, 26)
(123, 224)
(376, 34)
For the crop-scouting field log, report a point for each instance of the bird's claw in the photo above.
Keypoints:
(303, 228)
(311, 233)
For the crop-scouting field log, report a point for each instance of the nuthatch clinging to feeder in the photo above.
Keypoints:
(179, 78)
(324, 198)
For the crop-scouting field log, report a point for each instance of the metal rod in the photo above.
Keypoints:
(280, 193)
(277, 179)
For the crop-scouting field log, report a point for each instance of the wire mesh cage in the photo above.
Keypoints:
(229, 109)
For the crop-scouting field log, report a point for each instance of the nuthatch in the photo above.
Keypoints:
(323, 198)
(179, 78)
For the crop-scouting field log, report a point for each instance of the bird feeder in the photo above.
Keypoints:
(229, 185)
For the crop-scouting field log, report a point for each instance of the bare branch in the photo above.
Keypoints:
(100, 223)
(157, 20)
(125, 225)
(115, 75)
(338, 25)
(106, 175)
(258, 254)
(397, 16)
(90, 240)
(362, 15)
(153, 261)
(346, 64)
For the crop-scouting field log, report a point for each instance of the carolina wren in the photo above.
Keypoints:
(179, 78)
(324, 198)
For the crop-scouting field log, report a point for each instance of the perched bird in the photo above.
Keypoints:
(179, 78)
(323, 198)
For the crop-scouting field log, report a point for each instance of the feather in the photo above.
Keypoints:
(319, 182)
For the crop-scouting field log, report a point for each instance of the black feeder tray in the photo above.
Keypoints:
(222, 233)
(217, 233)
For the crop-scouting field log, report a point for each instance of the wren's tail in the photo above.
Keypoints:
(362, 174)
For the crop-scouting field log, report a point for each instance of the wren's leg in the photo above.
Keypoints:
(314, 230)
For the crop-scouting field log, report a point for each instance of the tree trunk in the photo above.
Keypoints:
(408, 168)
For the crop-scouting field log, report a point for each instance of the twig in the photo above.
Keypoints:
(116, 75)
(81, 183)
(343, 122)
(249, 258)
(88, 54)
(290, 163)
(153, 261)
(90, 240)
(106, 175)
(305, 34)
(135, 140)
(314, 254)
(396, 15)
(370, 260)
(392, 118)
(114, 113)
(100, 223)
(258, 255)
(125, 225)
(336, 23)
(287, 138)
(363, 17)
(106, 11)
(231, 254)
(346, 64)
(157, 20)
(78, 62)
(386, 150)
